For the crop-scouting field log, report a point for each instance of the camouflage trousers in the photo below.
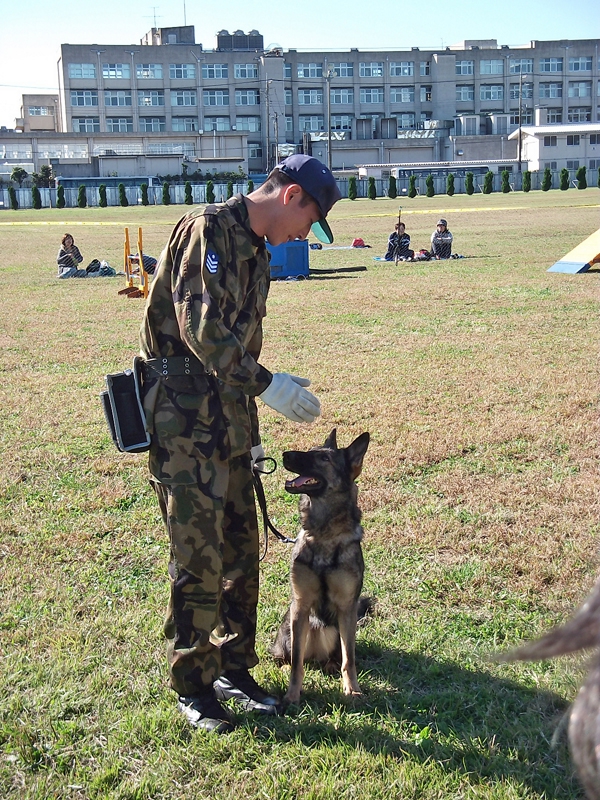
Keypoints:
(213, 572)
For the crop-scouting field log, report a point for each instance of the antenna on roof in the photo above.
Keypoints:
(154, 14)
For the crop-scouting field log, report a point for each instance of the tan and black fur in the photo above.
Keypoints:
(327, 563)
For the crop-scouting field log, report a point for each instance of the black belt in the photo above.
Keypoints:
(173, 365)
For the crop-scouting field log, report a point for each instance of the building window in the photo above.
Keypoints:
(82, 71)
(39, 111)
(343, 69)
(120, 98)
(594, 138)
(184, 124)
(119, 124)
(551, 64)
(152, 124)
(425, 94)
(247, 97)
(579, 115)
(216, 97)
(493, 91)
(341, 122)
(551, 90)
(289, 124)
(580, 89)
(400, 69)
(573, 140)
(182, 71)
(406, 120)
(471, 126)
(217, 124)
(116, 71)
(254, 150)
(555, 115)
(183, 97)
(148, 71)
(493, 66)
(86, 124)
(287, 70)
(288, 97)
(214, 71)
(372, 69)
(465, 93)
(341, 97)
(310, 97)
(374, 95)
(401, 94)
(526, 118)
(84, 97)
(581, 64)
(550, 164)
(572, 164)
(248, 124)
(594, 163)
(520, 66)
(311, 70)
(151, 97)
(311, 123)
(245, 71)
(550, 141)
(425, 68)
(527, 90)
(464, 67)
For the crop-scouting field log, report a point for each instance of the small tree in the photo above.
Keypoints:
(123, 201)
(102, 201)
(229, 189)
(188, 194)
(598, 181)
(250, 187)
(450, 184)
(60, 196)
(527, 181)
(581, 178)
(392, 188)
(352, 191)
(144, 191)
(412, 186)
(469, 187)
(36, 198)
(372, 191)
(12, 196)
(166, 197)
(81, 197)
(547, 180)
(18, 175)
(564, 179)
(210, 192)
(488, 182)
(429, 184)
(505, 181)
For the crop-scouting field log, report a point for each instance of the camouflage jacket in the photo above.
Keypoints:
(208, 297)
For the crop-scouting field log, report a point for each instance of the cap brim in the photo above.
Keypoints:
(322, 231)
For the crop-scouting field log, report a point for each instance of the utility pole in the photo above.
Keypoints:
(276, 123)
(268, 127)
(329, 74)
(520, 139)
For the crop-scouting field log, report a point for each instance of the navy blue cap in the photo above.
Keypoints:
(319, 183)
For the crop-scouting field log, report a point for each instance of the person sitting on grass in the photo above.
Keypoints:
(441, 241)
(399, 245)
(69, 258)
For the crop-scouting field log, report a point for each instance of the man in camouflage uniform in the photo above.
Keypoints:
(201, 339)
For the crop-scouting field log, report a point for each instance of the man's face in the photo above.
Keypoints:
(296, 214)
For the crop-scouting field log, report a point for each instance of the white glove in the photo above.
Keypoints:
(257, 453)
(287, 396)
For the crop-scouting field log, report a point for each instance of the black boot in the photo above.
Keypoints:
(203, 711)
(240, 686)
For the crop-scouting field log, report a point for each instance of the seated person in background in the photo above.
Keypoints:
(441, 241)
(69, 258)
(149, 263)
(398, 244)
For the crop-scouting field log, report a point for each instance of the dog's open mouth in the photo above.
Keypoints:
(302, 484)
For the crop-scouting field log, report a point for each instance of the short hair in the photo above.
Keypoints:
(67, 236)
(278, 179)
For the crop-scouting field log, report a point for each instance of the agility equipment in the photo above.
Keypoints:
(581, 258)
(134, 269)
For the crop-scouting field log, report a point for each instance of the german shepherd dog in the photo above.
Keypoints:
(327, 564)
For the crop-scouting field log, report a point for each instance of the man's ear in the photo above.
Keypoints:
(289, 192)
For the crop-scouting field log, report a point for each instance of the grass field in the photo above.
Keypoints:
(477, 379)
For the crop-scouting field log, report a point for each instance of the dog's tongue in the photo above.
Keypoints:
(300, 481)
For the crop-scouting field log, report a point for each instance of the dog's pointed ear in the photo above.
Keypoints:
(356, 453)
(331, 440)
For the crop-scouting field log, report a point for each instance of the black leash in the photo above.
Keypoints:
(257, 471)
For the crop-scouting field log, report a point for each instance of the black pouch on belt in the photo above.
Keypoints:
(122, 404)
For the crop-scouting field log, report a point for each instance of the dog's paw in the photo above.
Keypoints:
(291, 698)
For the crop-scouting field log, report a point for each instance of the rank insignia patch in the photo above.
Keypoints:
(212, 262)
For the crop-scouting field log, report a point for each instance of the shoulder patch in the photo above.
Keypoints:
(212, 261)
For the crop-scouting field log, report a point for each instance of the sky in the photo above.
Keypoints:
(32, 31)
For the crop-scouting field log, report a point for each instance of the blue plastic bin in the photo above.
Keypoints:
(289, 260)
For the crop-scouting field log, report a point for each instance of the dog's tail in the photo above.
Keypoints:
(366, 606)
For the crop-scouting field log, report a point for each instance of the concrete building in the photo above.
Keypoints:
(238, 104)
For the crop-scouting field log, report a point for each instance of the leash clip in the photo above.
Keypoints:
(257, 471)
